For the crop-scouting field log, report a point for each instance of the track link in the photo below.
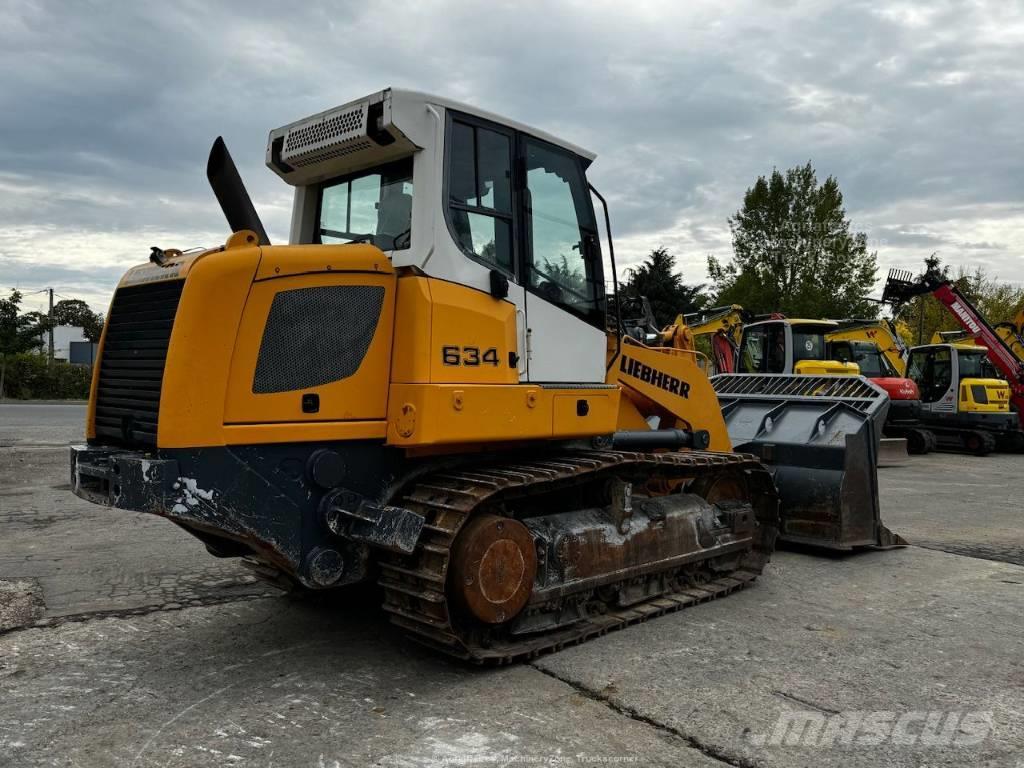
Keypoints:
(415, 585)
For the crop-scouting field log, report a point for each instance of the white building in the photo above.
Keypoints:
(64, 336)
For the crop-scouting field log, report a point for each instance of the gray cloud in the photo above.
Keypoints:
(108, 110)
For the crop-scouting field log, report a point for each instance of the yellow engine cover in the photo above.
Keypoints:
(823, 367)
(275, 344)
(984, 396)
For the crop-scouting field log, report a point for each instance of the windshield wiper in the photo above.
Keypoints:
(351, 237)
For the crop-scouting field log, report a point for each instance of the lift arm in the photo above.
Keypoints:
(725, 326)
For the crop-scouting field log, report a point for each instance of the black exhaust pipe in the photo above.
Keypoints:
(230, 191)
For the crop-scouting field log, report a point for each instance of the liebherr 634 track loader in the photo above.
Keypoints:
(418, 390)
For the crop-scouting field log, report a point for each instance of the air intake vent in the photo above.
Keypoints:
(316, 336)
(332, 135)
(132, 363)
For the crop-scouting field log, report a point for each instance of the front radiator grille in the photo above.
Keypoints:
(132, 363)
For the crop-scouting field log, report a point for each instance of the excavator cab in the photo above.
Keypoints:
(866, 355)
(789, 346)
(963, 394)
(958, 378)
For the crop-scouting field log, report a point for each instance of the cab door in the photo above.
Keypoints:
(932, 370)
(561, 271)
(483, 215)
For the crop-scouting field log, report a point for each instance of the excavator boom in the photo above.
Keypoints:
(883, 332)
(725, 327)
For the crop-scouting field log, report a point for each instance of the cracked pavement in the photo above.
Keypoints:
(122, 642)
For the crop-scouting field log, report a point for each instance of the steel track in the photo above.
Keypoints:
(414, 586)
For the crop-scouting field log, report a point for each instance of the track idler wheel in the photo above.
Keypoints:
(920, 442)
(494, 563)
(978, 443)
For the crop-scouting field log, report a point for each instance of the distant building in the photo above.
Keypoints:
(69, 345)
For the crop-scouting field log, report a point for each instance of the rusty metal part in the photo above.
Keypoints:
(720, 488)
(584, 549)
(493, 567)
(417, 587)
(352, 516)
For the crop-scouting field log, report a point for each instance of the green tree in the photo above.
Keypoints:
(794, 251)
(77, 313)
(657, 279)
(565, 275)
(18, 332)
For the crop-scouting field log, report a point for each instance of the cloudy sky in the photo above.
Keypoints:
(108, 109)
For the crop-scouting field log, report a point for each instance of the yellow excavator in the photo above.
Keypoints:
(722, 325)
(419, 389)
(965, 401)
(880, 353)
(882, 332)
(1009, 332)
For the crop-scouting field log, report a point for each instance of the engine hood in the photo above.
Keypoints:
(898, 388)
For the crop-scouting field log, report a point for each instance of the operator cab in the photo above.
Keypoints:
(866, 354)
(957, 378)
(789, 346)
(465, 196)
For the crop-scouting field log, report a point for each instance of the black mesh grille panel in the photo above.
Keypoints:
(315, 336)
(132, 363)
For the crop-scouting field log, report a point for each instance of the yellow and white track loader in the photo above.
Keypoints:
(417, 390)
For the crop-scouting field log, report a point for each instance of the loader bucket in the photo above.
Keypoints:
(819, 435)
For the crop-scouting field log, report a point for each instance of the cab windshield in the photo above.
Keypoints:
(868, 357)
(371, 206)
(808, 343)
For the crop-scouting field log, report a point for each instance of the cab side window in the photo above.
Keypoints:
(943, 373)
(932, 371)
(842, 352)
(919, 371)
(480, 194)
(564, 261)
(752, 358)
(764, 349)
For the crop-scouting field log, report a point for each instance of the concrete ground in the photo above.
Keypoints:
(122, 642)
